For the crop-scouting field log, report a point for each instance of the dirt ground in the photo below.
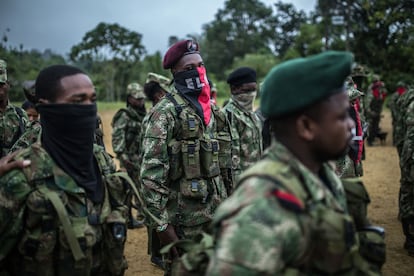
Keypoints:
(381, 177)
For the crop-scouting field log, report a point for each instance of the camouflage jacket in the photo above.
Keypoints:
(402, 105)
(246, 132)
(406, 204)
(299, 218)
(126, 127)
(29, 137)
(182, 160)
(48, 226)
(13, 123)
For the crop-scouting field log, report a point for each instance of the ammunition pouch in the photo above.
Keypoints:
(372, 245)
(194, 189)
(357, 199)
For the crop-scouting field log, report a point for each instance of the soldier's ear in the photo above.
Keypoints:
(306, 127)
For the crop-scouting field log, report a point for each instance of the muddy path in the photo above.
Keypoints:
(381, 177)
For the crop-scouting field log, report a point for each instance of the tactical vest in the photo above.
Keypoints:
(197, 155)
(64, 232)
(334, 246)
(333, 249)
(241, 160)
(132, 130)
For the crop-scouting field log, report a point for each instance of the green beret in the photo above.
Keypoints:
(298, 83)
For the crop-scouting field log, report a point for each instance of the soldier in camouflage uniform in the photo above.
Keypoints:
(155, 88)
(65, 213)
(401, 105)
(393, 106)
(186, 151)
(406, 196)
(13, 119)
(126, 128)
(351, 163)
(289, 215)
(246, 127)
(373, 104)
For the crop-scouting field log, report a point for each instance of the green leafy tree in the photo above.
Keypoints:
(117, 49)
(307, 42)
(241, 27)
(287, 26)
(262, 63)
(24, 64)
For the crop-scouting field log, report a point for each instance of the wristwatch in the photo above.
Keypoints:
(162, 228)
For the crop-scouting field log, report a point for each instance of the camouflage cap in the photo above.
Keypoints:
(164, 82)
(353, 93)
(135, 90)
(3, 71)
(213, 87)
(358, 70)
(401, 83)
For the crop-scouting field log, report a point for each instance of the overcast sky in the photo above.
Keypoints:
(58, 24)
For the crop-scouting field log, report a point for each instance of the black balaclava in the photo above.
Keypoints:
(68, 136)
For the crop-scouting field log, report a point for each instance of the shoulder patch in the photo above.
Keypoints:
(288, 200)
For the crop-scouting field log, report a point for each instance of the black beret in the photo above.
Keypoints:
(242, 75)
(301, 82)
(177, 51)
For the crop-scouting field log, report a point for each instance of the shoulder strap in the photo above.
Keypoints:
(178, 107)
(131, 183)
(64, 219)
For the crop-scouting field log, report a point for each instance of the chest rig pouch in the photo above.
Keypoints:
(333, 238)
(194, 153)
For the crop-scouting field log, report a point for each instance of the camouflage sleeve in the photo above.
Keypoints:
(255, 234)
(235, 143)
(119, 124)
(14, 190)
(155, 162)
(409, 121)
(29, 137)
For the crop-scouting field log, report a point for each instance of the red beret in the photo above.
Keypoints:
(177, 51)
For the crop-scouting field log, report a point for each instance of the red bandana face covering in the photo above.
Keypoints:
(193, 85)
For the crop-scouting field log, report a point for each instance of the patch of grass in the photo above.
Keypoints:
(105, 106)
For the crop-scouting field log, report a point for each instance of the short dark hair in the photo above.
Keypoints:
(151, 88)
(48, 81)
(28, 104)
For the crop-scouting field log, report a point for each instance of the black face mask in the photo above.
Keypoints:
(193, 85)
(67, 135)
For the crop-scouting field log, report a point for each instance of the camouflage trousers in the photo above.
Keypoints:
(373, 128)
(406, 196)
